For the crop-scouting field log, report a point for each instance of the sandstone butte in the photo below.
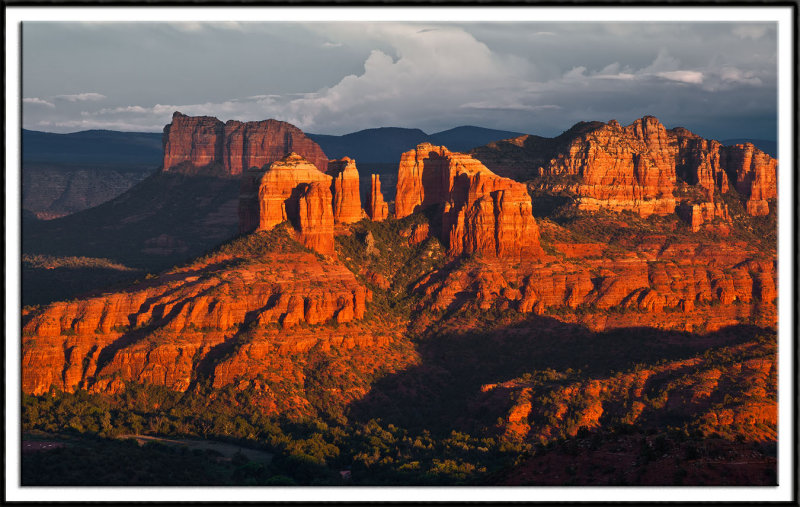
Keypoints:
(481, 212)
(377, 208)
(193, 142)
(638, 167)
(290, 189)
(345, 190)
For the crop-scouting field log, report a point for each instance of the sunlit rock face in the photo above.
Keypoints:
(640, 167)
(196, 142)
(290, 189)
(481, 212)
(377, 208)
(345, 190)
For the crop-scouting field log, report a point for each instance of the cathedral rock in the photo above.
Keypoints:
(292, 189)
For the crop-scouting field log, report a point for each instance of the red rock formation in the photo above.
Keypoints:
(196, 142)
(698, 390)
(482, 212)
(156, 331)
(277, 196)
(699, 162)
(704, 212)
(680, 287)
(622, 168)
(345, 189)
(315, 217)
(287, 190)
(756, 176)
(377, 208)
(417, 234)
(634, 168)
(420, 179)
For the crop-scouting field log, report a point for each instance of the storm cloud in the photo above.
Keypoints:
(717, 79)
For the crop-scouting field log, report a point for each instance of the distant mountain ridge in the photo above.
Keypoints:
(109, 147)
(386, 144)
(96, 147)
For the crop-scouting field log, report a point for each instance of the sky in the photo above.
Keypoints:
(717, 79)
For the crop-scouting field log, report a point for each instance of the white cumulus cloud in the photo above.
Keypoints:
(37, 101)
(682, 76)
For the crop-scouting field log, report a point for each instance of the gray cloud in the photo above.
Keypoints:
(81, 97)
(718, 79)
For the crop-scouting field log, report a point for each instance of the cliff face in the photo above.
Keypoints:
(159, 331)
(315, 217)
(755, 175)
(195, 142)
(481, 212)
(377, 208)
(637, 167)
(289, 189)
(345, 189)
(680, 286)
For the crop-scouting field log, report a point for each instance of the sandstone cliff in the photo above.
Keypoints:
(377, 208)
(755, 174)
(345, 190)
(159, 331)
(481, 212)
(288, 190)
(636, 167)
(315, 217)
(192, 143)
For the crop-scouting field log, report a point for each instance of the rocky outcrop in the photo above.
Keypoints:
(345, 190)
(193, 143)
(196, 141)
(729, 391)
(289, 189)
(698, 214)
(315, 217)
(622, 168)
(481, 212)
(755, 176)
(158, 331)
(637, 167)
(377, 208)
(677, 286)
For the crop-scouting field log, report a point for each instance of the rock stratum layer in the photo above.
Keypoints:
(192, 143)
(481, 212)
(637, 167)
